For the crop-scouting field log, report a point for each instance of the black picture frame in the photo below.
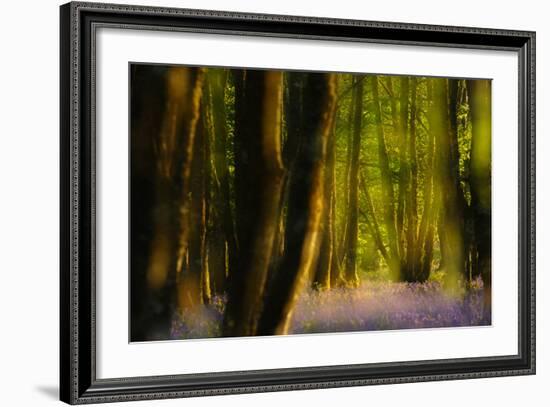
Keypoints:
(78, 382)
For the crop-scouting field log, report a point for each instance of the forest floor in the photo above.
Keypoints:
(373, 306)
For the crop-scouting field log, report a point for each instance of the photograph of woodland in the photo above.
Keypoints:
(268, 202)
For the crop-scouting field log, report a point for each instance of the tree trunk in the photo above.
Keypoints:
(322, 278)
(426, 229)
(150, 310)
(335, 268)
(351, 276)
(192, 280)
(387, 184)
(403, 165)
(259, 181)
(461, 203)
(224, 245)
(215, 239)
(412, 266)
(293, 115)
(450, 227)
(393, 105)
(375, 229)
(174, 150)
(339, 276)
(480, 176)
(305, 206)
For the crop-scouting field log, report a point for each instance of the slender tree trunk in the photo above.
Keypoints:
(174, 151)
(225, 245)
(305, 206)
(293, 114)
(480, 177)
(375, 229)
(215, 240)
(205, 220)
(322, 278)
(399, 125)
(150, 310)
(351, 276)
(387, 184)
(259, 179)
(393, 104)
(343, 241)
(461, 203)
(426, 229)
(428, 241)
(335, 268)
(450, 227)
(470, 253)
(192, 280)
(403, 165)
(184, 154)
(412, 211)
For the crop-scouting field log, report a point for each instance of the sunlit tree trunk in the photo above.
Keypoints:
(339, 278)
(393, 105)
(480, 176)
(174, 149)
(215, 239)
(322, 277)
(192, 83)
(338, 204)
(403, 164)
(370, 217)
(259, 180)
(224, 243)
(426, 228)
(455, 168)
(351, 276)
(387, 184)
(305, 206)
(192, 280)
(463, 124)
(293, 111)
(205, 220)
(335, 267)
(412, 214)
(450, 222)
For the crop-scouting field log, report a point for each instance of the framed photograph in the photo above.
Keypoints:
(255, 203)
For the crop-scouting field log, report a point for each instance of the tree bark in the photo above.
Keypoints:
(305, 207)
(224, 245)
(322, 278)
(340, 278)
(387, 184)
(412, 263)
(426, 229)
(259, 179)
(403, 165)
(150, 310)
(450, 227)
(480, 176)
(351, 276)
(375, 227)
(461, 204)
(192, 280)
(174, 152)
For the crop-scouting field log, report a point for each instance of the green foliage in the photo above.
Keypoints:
(390, 100)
